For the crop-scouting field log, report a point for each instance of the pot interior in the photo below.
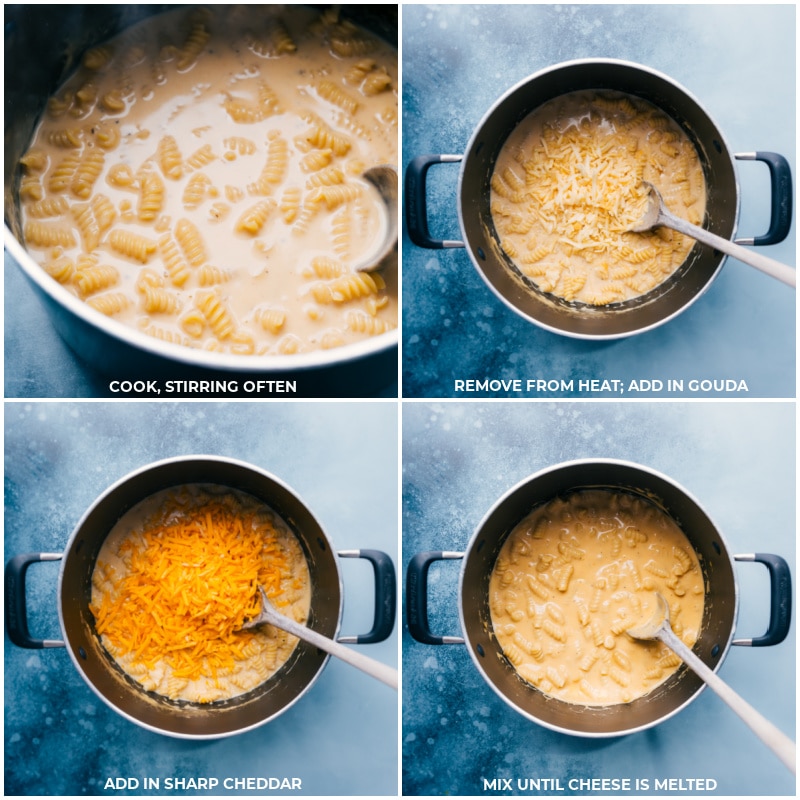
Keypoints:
(153, 711)
(718, 617)
(580, 320)
(59, 38)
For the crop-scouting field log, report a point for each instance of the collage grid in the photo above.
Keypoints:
(421, 448)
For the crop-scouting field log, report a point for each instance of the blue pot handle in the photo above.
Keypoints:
(417, 202)
(385, 596)
(780, 612)
(16, 605)
(417, 597)
(781, 192)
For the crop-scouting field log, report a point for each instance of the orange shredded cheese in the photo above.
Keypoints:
(190, 580)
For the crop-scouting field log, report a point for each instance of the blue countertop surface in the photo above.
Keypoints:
(340, 738)
(736, 459)
(737, 60)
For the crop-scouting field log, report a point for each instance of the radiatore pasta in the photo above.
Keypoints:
(213, 154)
(177, 577)
(567, 187)
(573, 576)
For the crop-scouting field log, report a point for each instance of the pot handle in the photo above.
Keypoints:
(780, 612)
(16, 608)
(385, 596)
(417, 597)
(416, 201)
(781, 187)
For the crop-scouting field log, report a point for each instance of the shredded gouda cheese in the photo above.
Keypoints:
(567, 188)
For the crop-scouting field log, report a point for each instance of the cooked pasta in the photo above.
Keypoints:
(110, 303)
(60, 269)
(196, 191)
(338, 96)
(95, 278)
(348, 288)
(567, 187)
(271, 319)
(323, 137)
(174, 262)
(376, 81)
(104, 212)
(214, 160)
(573, 576)
(121, 176)
(130, 244)
(159, 301)
(87, 172)
(96, 58)
(68, 138)
(252, 220)
(83, 215)
(275, 169)
(49, 234)
(191, 242)
(169, 158)
(366, 323)
(30, 188)
(61, 177)
(290, 203)
(178, 576)
(202, 156)
(113, 102)
(151, 196)
(209, 275)
(217, 314)
(316, 160)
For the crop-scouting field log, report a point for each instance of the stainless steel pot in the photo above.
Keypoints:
(480, 239)
(183, 719)
(59, 38)
(719, 616)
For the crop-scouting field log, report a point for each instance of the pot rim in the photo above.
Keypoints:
(541, 73)
(530, 479)
(119, 708)
(187, 356)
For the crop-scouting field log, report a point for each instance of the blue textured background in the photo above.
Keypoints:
(739, 61)
(737, 459)
(340, 738)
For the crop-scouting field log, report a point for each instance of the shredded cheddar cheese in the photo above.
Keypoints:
(567, 188)
(179, 576)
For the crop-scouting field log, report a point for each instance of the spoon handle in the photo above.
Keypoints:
(773, 737)
(768, 265)
(376, 669)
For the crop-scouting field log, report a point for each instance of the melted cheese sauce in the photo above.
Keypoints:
(567, 187)
(200, 179)
(573, 576)
(176, 578)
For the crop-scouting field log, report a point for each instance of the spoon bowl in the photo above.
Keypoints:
(269, 614)
(384, 179)
(658, 621)
(658, 627)
(656, 215)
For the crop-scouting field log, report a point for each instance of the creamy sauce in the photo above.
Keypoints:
(567, 187)
(162, 570)
(200, 179)
(573, 576)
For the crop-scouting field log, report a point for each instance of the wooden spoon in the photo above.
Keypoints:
(657, 215)
(384, 179)
(372, 667)
(658, 627)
